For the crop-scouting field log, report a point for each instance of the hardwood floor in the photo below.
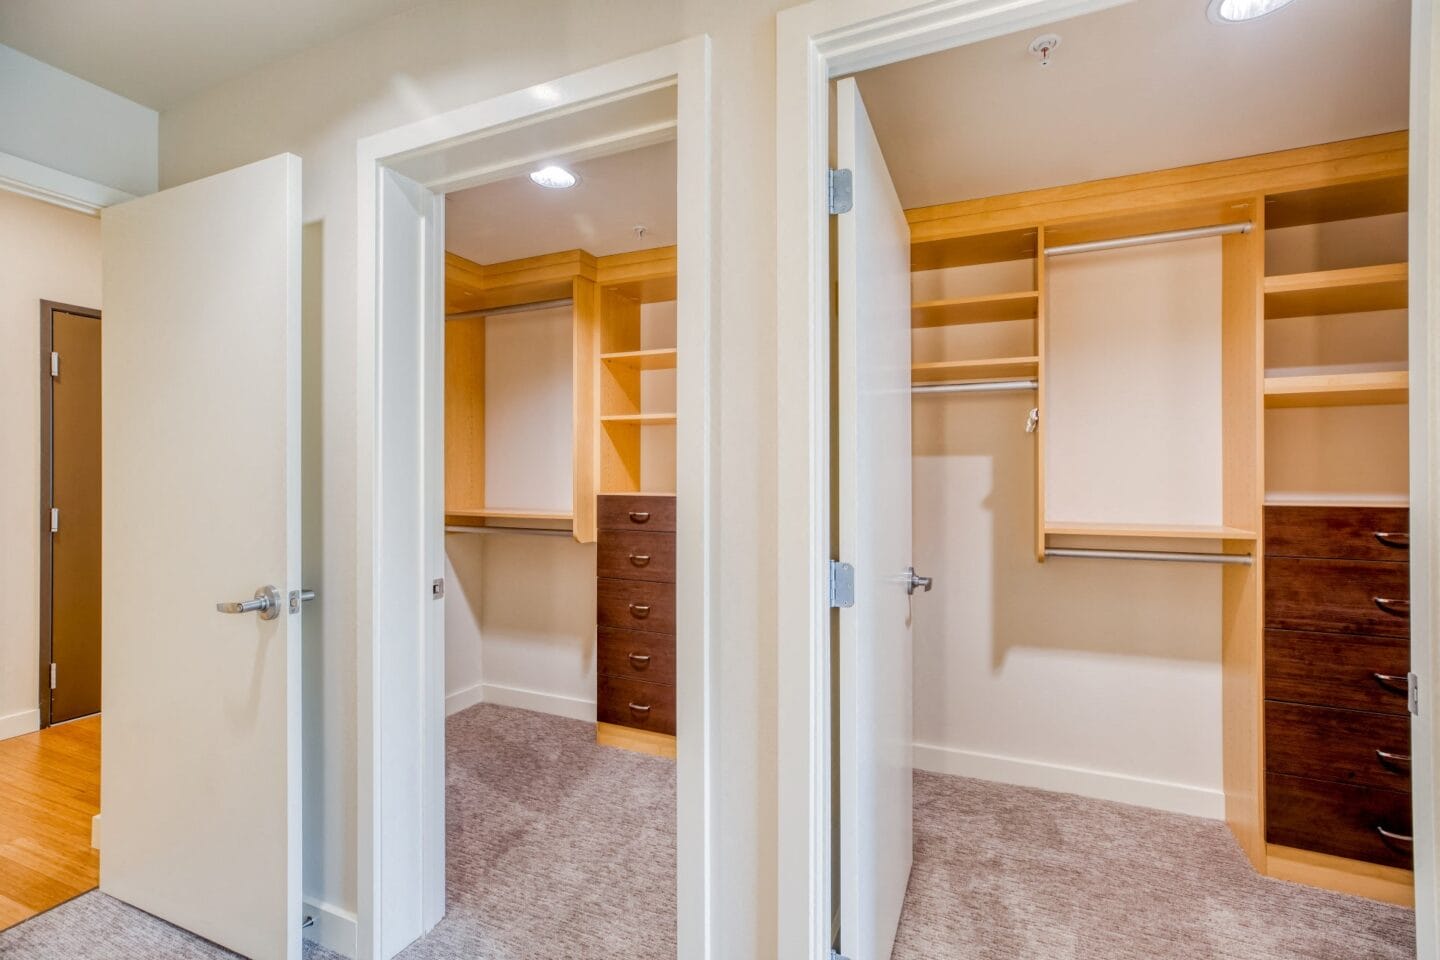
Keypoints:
(49, 790)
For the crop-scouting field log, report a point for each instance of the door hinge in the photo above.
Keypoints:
(842, 191)
(837, 955)
(842, 584)
(54, 519)
(52, 676)
(1412, 685)
(437, 588)
(54, 364)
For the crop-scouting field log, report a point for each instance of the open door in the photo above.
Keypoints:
(200, 775)
(873, 467)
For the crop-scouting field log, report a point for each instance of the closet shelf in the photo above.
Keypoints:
(1001, 368)
(1156, 531)
(480, 518)
(1355, 290)
(640, 419)
(642, 359)
(1338, 389)
(990, 308)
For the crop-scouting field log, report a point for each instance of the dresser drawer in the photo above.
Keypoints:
(636, 605)
(1344, 533)
(636, 703)
(1338, 819)
(634, 555)
(640, 512)
(1337, 596)
(1323, 743)
(1353, 672)
(633, 655)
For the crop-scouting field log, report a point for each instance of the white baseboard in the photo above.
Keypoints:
(1099, 784)
(18, 724)
(540, 702)
(334, 929)
(464, 699)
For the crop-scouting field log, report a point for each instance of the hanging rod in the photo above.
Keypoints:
(515, 308)
(532, 531)
(976, 386)
(1090, 246)
(1232, 558)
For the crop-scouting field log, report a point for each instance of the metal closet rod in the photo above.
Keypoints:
(1243, 559)
(978, 386)
(514, 308)
(1167, 236)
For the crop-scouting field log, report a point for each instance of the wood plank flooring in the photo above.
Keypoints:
(49, 790)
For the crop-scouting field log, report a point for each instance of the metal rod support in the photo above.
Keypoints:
(1168, 236)
(976, 386)
(514, 308)
(1232, 558)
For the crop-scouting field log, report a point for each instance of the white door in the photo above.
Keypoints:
(874, 521)
(200, 771)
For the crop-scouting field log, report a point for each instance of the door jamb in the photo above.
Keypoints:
(48, 309)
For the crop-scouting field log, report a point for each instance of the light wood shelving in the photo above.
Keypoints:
(1151, 531)
(999, 368)
(1354, 290)
(640, 419)
(663, 359)
(496, 517)
(1338, 389)
(989, 308)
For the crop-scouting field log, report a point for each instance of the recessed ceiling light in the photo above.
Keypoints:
(556, 178)
(1238, 11)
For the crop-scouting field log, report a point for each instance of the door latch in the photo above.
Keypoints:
(914, 581)
(298, 597)
(842, 584)
(437, 588)
(841, 189)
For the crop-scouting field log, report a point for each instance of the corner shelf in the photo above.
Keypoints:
(1338, 389)
(1000, 368)
(642, 359)
(640, 419)
(1155, 531)
(1355, 290)
(990, 308)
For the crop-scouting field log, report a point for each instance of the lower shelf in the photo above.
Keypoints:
(1338, 389)
(541, 519)
(637, 741)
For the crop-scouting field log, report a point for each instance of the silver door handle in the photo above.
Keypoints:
(266, 603)
(914, 582)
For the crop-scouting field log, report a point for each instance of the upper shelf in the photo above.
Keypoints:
(640, 419)
(1355, 290)
(1156, 531)
(1370, 197)
(1000, 368)
(989, 308)
(1338, 389)
(642, 359)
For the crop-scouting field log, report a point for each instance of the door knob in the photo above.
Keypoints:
(914, 581)
(266, 603)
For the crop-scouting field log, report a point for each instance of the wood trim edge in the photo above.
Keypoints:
(637, 741)
(1355, 877)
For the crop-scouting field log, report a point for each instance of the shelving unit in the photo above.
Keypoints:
(974, 371)
(1354, 290)
(988, 308)
(1338, 389)
(1156, 531)
(662, 359)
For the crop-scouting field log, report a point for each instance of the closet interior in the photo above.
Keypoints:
(1160, 423)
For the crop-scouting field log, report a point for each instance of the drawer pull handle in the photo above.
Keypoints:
(640, 610)
(643, 560)
(1400, 541)
(643, 516)
(1394, 837)
(1393, 683)
(1396, 608)
(645, 708)
(1388, 759)
(642, 660)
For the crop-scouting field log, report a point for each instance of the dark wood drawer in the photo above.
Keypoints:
(636, 703)
(636, 605)
(1337, 596)
(1337, 819)
(1337, 671)
(636, 555)
(633, 655)
(645, 512)
(1347, 746)
(1344, 533)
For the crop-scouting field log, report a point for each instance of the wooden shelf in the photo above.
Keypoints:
(640, 419)
(642, 359)
(1372, 197)
(1338, 389)
(1155, 531)
(1356, 290)
(455, 517)
(1002, 368)
(991, 308)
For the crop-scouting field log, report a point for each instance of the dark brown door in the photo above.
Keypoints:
(75, 498)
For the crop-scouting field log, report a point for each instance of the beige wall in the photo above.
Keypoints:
(437, 57)
(46, 253)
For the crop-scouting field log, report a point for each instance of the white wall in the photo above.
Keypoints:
(61, 122)
(46, 253)
(436, 57)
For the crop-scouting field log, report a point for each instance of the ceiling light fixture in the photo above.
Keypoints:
(1239, 11)
(555, 178)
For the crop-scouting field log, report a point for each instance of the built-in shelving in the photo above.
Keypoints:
(990, 308)
(640, 419)
(1157, 531)
(1338, 389)
(1354, 290)
(458, 517)
(1001, 368)
(642, 359)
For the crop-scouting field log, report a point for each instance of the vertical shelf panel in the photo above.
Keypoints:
(585, 365)
(1040, 316)
(465, 414)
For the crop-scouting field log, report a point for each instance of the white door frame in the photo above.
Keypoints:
(825, 39)
(400, 698)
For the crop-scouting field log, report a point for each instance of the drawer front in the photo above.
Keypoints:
(637, 513)
(632, 655)
(636, 605)
(1337, 596)
(1345, 533)
(633, 555)
(635, 703)
(1355, 672)
(1338, 819)
(1322, 743)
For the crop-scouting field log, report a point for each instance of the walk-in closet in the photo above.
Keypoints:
(1159, 476)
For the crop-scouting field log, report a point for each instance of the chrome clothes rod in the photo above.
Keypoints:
(1243, 559)
(980, 386)
(1193, 233)
(531, 531)
(516, 308)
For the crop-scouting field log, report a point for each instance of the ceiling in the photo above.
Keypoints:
(123, 47)
(514, 218)
(1143, 86)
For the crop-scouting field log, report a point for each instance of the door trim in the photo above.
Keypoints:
(48, 309)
